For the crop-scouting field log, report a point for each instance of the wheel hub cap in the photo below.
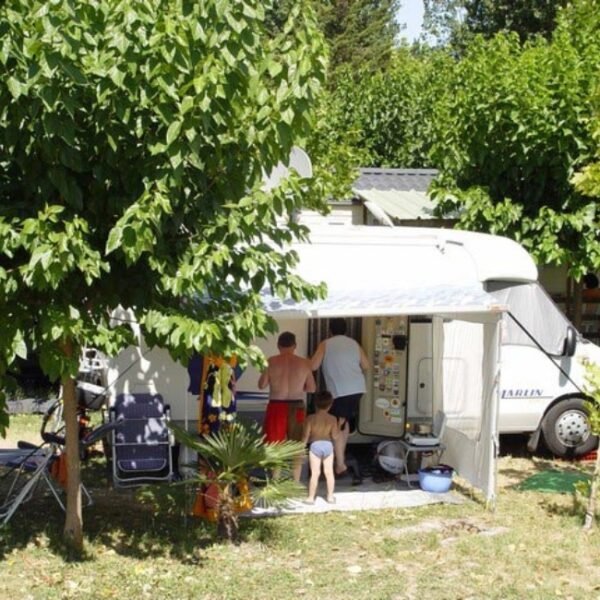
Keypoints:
(573, 428)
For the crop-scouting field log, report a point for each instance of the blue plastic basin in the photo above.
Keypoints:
(436, 479)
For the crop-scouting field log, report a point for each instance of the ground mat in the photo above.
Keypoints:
(556, 482)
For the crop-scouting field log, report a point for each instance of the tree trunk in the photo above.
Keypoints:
(590, 513)
(73, 531)
(227, 518)
(577, 305)
(569, 298)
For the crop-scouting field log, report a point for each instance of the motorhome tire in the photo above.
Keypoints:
(567, 431)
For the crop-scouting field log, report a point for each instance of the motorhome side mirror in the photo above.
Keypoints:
(570, 342)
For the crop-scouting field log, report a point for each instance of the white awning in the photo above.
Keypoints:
(386, 273)
(363, 302)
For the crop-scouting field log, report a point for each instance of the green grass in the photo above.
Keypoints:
(23, 427)
(142, 545)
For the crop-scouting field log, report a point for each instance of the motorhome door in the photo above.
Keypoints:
(382, 409)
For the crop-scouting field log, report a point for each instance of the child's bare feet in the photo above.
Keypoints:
(331, 499)
(309, 501)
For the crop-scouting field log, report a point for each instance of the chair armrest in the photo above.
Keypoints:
(53, 438)
(101, 432)
(23, 445)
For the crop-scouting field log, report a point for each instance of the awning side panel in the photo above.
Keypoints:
(470, 401)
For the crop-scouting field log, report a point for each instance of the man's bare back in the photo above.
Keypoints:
(288, 376)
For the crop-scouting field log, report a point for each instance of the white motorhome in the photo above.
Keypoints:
(541, 379)
(451, 320)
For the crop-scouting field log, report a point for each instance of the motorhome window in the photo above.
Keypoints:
(535, 310)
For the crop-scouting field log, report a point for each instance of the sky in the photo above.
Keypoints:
(411, 14)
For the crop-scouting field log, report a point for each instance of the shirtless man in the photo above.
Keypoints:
(289, 377)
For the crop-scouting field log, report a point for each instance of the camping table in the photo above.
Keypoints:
(418, 449)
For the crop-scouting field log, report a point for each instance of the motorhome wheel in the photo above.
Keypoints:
(567, 431)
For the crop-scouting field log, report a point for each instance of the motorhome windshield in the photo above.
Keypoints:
(535, 310)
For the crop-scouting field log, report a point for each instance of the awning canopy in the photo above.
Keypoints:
(363, 302)
(386, 272)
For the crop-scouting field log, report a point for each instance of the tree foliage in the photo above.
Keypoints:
(508, 123)
(513, 127)
(389, 114)
(134, 137)
(587, 181)
(526, 18)
(456, 21)
(442, 21)
(361, 33)
(334, 151)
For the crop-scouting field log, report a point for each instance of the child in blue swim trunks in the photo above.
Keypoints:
(320, 429)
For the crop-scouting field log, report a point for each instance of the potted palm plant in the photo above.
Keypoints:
(241, 469)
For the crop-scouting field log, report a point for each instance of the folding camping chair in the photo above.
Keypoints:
(142, 446)
(23, 470)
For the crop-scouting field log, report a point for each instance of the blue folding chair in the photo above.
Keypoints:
(142, 445)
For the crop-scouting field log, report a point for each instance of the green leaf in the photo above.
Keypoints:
(15, 88)
(173, 132)
(20, 347)
(114, 239)
(274, 68)
(287, 116)
(187, 104)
